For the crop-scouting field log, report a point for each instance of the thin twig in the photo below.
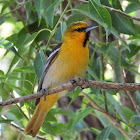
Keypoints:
(21, 129)
(78, 82)
(116, 124)
(117, 11)
(15, 8)
(122, 13)
(19, 107)
(112, 116)
(130, 96)
(135, 134)
(133, 102)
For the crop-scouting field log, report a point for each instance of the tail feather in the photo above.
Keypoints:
(39, 115)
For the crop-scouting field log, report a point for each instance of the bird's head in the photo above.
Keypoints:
(78, 32)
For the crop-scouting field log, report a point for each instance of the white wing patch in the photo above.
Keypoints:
(52, 55)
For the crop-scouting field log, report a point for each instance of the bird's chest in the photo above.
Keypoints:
(72, 61)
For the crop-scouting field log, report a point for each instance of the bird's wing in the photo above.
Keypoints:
(49, 61)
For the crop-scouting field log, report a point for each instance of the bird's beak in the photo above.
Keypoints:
(90, 27)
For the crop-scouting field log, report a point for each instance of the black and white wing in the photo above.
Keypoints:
(49, 61)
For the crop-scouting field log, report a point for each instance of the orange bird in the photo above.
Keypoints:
(68, 59)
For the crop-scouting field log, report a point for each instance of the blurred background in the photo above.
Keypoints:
(29, 30)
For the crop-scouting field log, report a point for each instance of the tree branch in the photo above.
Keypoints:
(122, 13)
(15, 8)
(109, 117)
(21, 129)
(135, 134)
(117, 11)
(78, 82)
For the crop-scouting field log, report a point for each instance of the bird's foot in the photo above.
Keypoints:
(43, 92)
(86, 83)
(74, 80)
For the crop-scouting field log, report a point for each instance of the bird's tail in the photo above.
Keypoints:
(40, 113)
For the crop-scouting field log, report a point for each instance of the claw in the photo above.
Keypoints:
(85, 85)
(73, 81)
(43, 93)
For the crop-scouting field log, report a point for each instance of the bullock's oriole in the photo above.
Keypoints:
(70, 58)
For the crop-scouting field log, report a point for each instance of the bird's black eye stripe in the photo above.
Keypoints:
(80, 29)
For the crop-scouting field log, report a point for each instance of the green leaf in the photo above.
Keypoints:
(115, 33)
(133, 50)
(50, 117)
(104, 134)
(75, 95)
(63, 112)
(92, 73)
(49, 14)
(105, 122)
(12, 48)
(30, 14)
(21, 52)
(25, 69)
(2, 73)
(115, 57)
(132, 7)
(100, 15)
(3, 92)
(122, 24)
(83, 9)
(60, 31)
(5, 121)
(2, 20)
(39, 63)
(135, 119)
(48, 128)
(119, 109)
(38, 8)
(75, 17)
(81, 115)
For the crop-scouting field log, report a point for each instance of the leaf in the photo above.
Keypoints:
(50, 117)
(104, 134)
(39, 63)
(119, 109)
(75, 95)
(1, 74)
(21, 52)
(63, 112)
(82, 9)
(2, 20)
(105, 122)
(3, 92)
(133, 50)
(115, 57)
(25, 69)
(49, 14)
(75, 17)
(135, 119)
(81, 115)
(132, 7)
(48, 128)
(100, 15)
(60, 31)
(12, 48)
(5, 121)
(92, 73)
(122, 24)
(30, 14)
(38, 8)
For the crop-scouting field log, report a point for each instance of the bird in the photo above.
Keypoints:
(69, 58)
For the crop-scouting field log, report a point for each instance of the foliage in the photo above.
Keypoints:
(22, 60)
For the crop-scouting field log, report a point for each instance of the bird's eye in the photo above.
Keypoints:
(80, 29)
